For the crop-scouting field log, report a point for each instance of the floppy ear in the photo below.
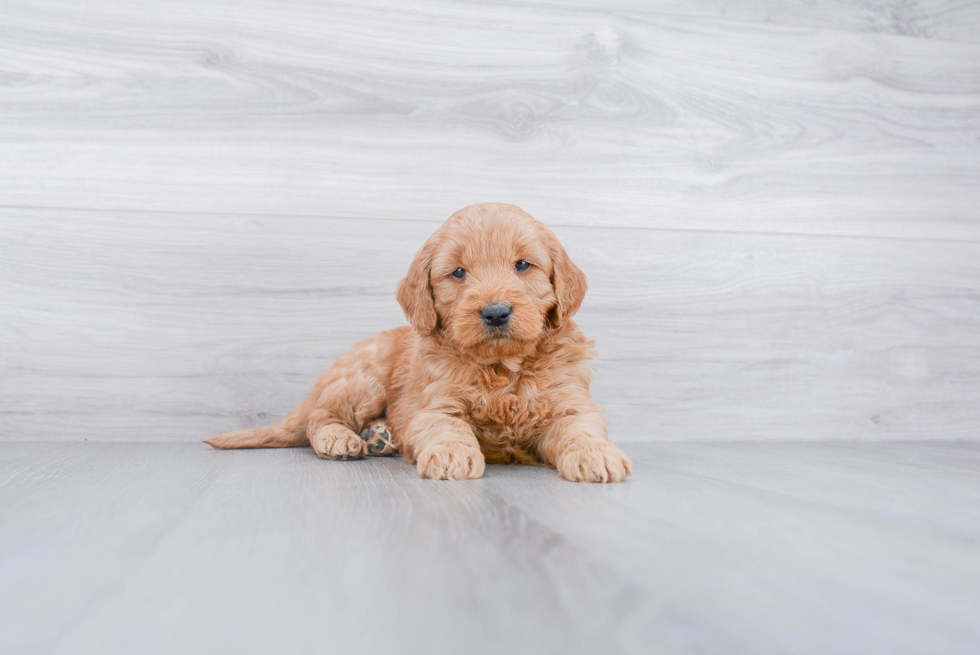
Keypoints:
(569, 282)
(415, 291)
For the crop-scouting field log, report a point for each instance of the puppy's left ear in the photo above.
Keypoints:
(415, 291)
(568, 281)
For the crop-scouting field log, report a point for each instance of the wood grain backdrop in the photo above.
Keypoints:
(203, 203)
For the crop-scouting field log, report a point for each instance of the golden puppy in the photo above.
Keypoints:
(492, 369)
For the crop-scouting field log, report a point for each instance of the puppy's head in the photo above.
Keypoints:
(492, 280)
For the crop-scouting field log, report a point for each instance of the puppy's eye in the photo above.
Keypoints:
(459, 274)
(522, 265)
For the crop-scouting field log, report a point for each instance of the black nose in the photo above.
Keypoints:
(495, 314)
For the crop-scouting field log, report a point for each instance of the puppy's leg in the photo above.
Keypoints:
(578, 446)
(444, 447)
(344, 400)
(347, 397)
(353, 396)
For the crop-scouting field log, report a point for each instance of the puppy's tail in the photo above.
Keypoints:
(289, 432)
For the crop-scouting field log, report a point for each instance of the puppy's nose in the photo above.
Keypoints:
(495, 314)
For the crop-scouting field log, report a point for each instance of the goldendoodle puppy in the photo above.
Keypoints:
(492, 369)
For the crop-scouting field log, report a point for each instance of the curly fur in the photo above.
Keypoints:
(455, 393)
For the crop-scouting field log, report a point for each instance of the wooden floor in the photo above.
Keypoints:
(710, 548)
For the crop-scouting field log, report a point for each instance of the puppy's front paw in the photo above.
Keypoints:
(452, 461)
(335, 441)
(594, 461)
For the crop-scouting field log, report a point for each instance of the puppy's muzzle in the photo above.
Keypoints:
(496, 314)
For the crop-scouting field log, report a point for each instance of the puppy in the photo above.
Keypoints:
(492, 369)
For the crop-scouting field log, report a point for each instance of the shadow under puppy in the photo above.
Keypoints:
(491, 370)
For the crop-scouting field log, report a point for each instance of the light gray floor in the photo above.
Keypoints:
(710, 548)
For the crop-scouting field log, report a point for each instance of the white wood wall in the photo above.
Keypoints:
(777, 204)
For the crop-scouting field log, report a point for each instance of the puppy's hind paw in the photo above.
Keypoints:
(335, 441)
(378, 440)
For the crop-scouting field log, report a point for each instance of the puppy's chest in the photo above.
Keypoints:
(508, 416)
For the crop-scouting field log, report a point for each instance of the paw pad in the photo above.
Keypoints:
(377, 436)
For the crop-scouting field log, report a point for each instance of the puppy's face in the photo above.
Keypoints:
(491, 281)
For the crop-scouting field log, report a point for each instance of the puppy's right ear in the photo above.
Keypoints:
(415, 291)
(568, 280)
